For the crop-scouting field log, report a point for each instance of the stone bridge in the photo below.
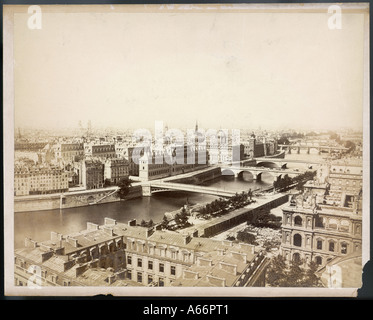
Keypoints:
(258, 171)
(160, 186)
(309, 147)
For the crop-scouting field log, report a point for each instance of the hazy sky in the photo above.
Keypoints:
(225, 70)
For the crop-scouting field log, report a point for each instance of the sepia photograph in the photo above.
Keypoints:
(186, 149)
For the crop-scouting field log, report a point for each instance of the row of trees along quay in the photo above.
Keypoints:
(215, 208)
(286, 183)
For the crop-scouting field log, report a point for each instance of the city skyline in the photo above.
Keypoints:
(275, 70)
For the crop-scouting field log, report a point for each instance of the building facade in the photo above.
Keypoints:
(69, 152)
(40, 180)
(101, 151)
(92, 174)
(115, 170)
(178, 160)
(325, 222)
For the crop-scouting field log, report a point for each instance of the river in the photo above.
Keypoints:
(37, 225)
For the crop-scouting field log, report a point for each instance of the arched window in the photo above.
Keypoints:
(318, 260)
(297, 221)
(297, 240)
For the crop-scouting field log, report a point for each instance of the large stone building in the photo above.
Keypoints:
(121, 254)
(116, 169)
(39, 180)
(69, 152)
(256, 147)
(92, 174)
(325, 222)
(102, 151)
(179, 160)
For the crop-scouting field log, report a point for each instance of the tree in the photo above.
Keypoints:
(182, 218)
(296, 274)
(246, 237)
(276, 273)
(124, 187)
(164, 223)
(311, 280)
(143, 223)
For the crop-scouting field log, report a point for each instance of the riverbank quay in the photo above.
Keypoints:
(249, 213)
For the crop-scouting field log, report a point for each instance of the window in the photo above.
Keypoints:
(150, 265)
(344, 248)
(129, 260)
(161, 282)
(296, 257)
(139, 262)
(297, 221)
(161, 267)
(150, 279)
(331, 246)
(319, 222)
(297, 240)
(139, 277)
(173, 270)
(319, 244)
(129, 274)
(318, 260)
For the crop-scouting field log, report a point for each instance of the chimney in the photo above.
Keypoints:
(110, 221)
(92, 226)
(72, 241)
(230, 268)
(149, 232)
(187, 238)
(239, 256)
(204, 262)
(109, 231)
(187, 274)
(132, 223)
(29, 243)
(219, 282)
(55, 236)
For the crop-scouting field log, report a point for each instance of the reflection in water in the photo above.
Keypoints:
(38, 225)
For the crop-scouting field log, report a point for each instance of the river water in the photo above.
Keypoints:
(37, 225)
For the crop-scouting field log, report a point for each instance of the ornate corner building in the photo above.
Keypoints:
(324, 223)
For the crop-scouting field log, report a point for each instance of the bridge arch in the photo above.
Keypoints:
(268, 164)
(246, 175)
(228, 172)
(274, 175)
